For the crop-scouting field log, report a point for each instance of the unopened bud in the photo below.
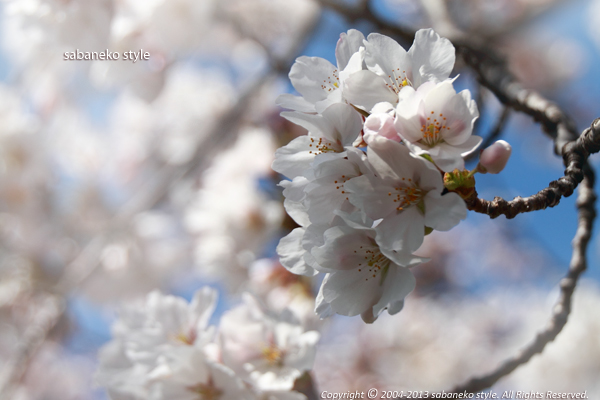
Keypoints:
(494, 158)
(380, 124)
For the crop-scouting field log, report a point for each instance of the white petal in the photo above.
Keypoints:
(409, 115)
(432, 57)
(405, 259)
(340, 123)
(294, 158)
(298, 212)
(294, 190)
(352, 292)
(345, 123)
(326, 193)
(460, 120)
(403, 232)
(348, 45)
(399, 282)
(447, 158)
(355, 64)
(371, 196)
(313, 78)
(341, 249)
(391, 159)
(381, 124)
(295, 103)
(322, 307)
(386, 57)
(364, 89)
(438, 97)
(442, 213)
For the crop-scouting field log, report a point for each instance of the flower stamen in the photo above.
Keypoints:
(432, 131)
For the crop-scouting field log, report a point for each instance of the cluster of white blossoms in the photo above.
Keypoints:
(367, 182)
(165, 349)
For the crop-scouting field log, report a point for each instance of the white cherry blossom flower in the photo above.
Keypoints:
(328, 135)
(437, 121)
(362, 277)
(391, 68)
(270, 350)
(325, 192)
(406, 193)
(318, 81)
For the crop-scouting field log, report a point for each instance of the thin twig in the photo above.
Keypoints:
(575, 155)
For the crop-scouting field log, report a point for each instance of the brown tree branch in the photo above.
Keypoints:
(575, 155)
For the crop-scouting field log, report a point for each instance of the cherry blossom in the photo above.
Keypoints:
(391, 68)
(146, 332)
(321, 83)
(328, 135)
(189, 375)
(406, 193)
(362, 277)
(437, 121)
(271, 350)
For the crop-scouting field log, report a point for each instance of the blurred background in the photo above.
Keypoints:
(118, 178)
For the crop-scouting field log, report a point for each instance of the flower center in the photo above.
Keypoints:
(330, 84)
(321, 145)
(432, 130)
(374, 263)
(187, 339)
(273, 354)
(398, 80)
(406, 196)
(339, 184)
(207, 391)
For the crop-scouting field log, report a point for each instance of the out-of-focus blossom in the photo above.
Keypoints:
(163, 349)
(184, 114)
(271, 350)
(167, 30)
(189, 375)
(232, 218)
(274, 23)
(279, 289)
(423, 348)
(41, 30)
(147, 333)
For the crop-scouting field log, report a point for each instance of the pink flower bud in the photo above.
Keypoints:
(494, 158)
(380, 125)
